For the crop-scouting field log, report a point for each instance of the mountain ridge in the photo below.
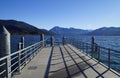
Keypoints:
(106, 31)
(68, 31)
(21, 28)
(103, 31)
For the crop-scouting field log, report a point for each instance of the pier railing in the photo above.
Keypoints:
(18, 60)
(13, 63)
(105, 55)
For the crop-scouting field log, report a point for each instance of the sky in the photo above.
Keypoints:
(45, 14)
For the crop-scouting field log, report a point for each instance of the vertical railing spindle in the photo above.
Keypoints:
(19, 56)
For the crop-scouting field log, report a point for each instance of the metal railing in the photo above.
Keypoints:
(18, 60)
(105, 55)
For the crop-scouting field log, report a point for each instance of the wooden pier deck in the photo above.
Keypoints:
(64, 62)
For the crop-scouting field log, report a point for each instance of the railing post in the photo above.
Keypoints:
(108, 57)
(95, 52)
(22, 41)
(22, 47)
(5, 49)
(64, 40)
(42, 39)
(98, 53)
(92, 42)
(86, 48)
(52, 41)
(80, 45)
(76, 43)
(19, 56)
(92, 46)
(83, 46)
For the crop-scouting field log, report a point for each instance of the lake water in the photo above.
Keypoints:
(112, 42)
(29, 40)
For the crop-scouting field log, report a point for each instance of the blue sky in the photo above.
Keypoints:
(83, 14)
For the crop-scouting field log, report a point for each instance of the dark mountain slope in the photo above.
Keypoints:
(21, 28)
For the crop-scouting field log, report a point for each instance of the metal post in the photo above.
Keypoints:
(92, 42)
(5, 49)
(19, 56)
(19, 46)
(86, 48)
(77, 44)
(22, 47)
(22, 41)
(95, 51)
(83, 46)
(63, 40)
(52, 41)
(42, 39)
(80, 45)
(108, 57)
(92, 46)
(98, 53)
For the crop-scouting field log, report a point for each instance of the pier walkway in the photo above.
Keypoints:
(64, 62)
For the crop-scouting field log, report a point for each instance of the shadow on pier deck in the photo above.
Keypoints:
(64, 62)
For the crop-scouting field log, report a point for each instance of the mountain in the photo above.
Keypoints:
(21, 28)
(106, 31)
(68, 31)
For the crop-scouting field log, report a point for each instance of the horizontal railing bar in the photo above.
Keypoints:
(103, 47)
(29, 58)
(2, 72)
(31, 52)
(28, 54)
(26, 51)
(99, 46)
(22, 53)
(22, 58)
(18, 51)
(115, 51)
(3, 58)
(14, 70)
(14, 57)
(2, 64)
(14, 64)
(22, 63)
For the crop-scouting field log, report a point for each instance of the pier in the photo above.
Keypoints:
(64, 62)
(55, 61)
